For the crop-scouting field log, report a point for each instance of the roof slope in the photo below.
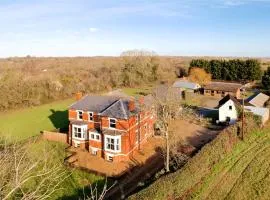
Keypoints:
(227, 98)
(257, 110)
(119, 110)
(186, 85)
(94, 103)
(223, 86)
(258, 99)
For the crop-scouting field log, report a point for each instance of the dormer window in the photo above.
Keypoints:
(90, 116)
(112, 123)
(79, 115)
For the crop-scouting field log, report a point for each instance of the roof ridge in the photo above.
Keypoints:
(123, 109)
(110, 105)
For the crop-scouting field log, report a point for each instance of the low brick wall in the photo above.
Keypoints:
(55, 136)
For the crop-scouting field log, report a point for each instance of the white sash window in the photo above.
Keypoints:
(79, 132)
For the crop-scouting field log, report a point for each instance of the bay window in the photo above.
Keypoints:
(113, 143)
(79, 132)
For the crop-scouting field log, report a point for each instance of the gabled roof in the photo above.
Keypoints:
(227, 98)
(223, 86)
(258, 99)
(186, 84)
(119, 110)
(94, 103)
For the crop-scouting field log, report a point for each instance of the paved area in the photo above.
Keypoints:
(82, 158)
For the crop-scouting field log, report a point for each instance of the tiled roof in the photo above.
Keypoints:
(258, 99)
(110, 106)
(223, 86)
(186, 85)
(119, 110)
(94, 103)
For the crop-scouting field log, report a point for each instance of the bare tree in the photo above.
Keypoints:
(25, 175)
(168, 106)
(96, 195)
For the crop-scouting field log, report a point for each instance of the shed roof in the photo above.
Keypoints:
(257, 110)
(223, 86)
(258, 99)
(186, 84)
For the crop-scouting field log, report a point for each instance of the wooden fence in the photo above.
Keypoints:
(55, 136)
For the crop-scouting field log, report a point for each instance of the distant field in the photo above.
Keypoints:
(219, 173)
(29, 122)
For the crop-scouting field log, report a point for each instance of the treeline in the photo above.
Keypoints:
(231, 70)
(33, 81)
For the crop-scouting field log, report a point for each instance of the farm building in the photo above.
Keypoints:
(186, 85)
(227, 111)
(258, 99)
(221, 89)
(262, 112)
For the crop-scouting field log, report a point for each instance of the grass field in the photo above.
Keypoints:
(28, 122)
(219, 173)
(77, 181)
(137, 91)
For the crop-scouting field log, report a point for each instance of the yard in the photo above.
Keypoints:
(24, 123)
(191, 133)
(201, 100)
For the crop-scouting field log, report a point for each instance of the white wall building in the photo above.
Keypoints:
(227, 111)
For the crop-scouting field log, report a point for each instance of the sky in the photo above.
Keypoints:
(109, 27)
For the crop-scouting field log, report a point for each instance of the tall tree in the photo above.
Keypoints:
(167, 103)
(200, 76)
(266, 79)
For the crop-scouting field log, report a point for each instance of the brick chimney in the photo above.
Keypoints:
(78, 96)
(131, 105)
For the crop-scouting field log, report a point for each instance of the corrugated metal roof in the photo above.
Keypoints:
(257, 110)
(223, 86)
(186, 85)
(258, 99)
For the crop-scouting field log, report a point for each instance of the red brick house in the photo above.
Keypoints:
(109, 127)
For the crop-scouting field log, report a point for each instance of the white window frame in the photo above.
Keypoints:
(95, 136)
(110, 123)
(78, 111)
(92, 113)
(115, 138)
(83, 132)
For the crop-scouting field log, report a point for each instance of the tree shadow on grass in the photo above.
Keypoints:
(59, 120)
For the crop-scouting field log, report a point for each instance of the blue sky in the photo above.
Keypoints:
(108, 27)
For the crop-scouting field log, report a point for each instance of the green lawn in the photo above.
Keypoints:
(136, 91)
(29, 122)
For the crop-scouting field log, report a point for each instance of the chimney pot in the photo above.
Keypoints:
(131, 105)
(78, 96)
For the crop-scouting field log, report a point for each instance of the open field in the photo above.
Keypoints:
(28, 122)
(222, 170)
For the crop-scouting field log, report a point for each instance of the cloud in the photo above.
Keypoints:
(93, 30)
